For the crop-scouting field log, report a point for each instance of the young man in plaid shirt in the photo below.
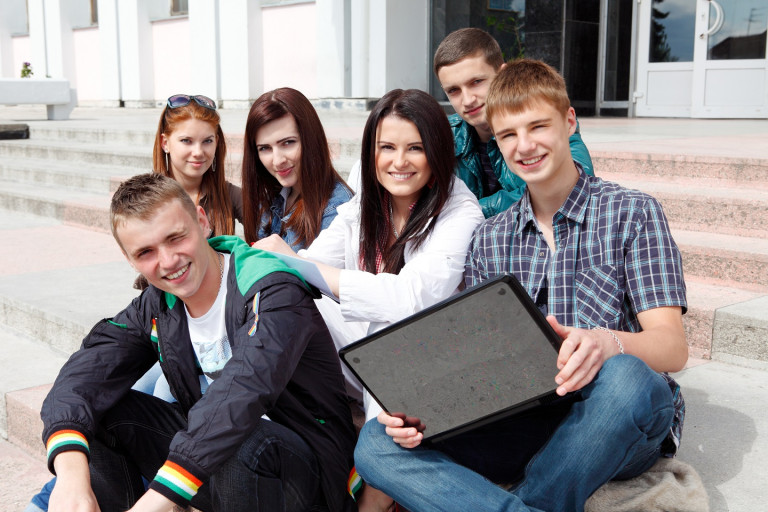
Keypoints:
(599, 260)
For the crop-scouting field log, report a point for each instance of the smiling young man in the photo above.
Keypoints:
(261, 420)
(465, 63)
(599, 260)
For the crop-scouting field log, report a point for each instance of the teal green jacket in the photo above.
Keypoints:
(470, 169)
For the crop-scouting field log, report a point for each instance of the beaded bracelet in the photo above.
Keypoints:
(615, 338)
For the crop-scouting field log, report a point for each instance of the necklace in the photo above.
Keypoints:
(392, 221)
(220, 257)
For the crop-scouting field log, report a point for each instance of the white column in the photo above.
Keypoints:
(135, 34)
(240, 39)
(333, 40)
(37, 35)
(204, 46)
(398, 46)
(359, 47)
(6, 43)
(110, 53)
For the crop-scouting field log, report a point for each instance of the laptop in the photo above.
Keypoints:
(475, 358)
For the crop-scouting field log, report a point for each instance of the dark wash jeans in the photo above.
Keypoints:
(273, 470)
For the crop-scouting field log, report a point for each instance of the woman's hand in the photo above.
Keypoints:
(274, 243)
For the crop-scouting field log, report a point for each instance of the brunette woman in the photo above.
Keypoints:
(290, 187)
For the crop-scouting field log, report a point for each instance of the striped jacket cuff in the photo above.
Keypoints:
(64, 441)
(176, 483)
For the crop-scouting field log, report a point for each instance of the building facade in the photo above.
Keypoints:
(677, 58)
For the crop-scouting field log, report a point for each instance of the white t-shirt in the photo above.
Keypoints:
(209, 335)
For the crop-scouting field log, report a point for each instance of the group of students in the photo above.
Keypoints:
(247, 407)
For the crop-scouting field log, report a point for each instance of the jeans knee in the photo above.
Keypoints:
(630, 388)
(372, 444)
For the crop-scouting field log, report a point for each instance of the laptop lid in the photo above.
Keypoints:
(474, 358)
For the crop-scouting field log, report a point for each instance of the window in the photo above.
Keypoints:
(179, 7)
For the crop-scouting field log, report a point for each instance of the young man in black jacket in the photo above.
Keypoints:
(261, 420)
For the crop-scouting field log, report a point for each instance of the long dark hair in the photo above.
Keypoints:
(214, 193)
(317, 177)
(423, 111)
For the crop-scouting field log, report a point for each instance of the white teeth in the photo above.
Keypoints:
(532, 160)
(400, 176)
(178, 274)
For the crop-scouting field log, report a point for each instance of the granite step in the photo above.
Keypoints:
(706, 301)
(666, 166)
(725, 260)
(726, 210)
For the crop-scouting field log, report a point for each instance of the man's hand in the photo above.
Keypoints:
(405, 431)
(153, 501)
(72, 492)
(273, 243)
(581, 356)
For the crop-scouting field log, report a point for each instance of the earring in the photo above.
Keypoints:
(167, 163)
(213, 165)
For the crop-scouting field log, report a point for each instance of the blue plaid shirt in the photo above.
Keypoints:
(615, 257)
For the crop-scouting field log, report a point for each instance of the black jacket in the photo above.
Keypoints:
(287, 368)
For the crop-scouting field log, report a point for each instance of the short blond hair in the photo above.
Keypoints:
(523, 82)
(141, 196)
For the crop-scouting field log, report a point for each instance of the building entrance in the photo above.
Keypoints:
(702, 58)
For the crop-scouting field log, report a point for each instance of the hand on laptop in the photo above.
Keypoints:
(582, 354)
(404, 430)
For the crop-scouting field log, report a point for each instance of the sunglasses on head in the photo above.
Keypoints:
(182, 100)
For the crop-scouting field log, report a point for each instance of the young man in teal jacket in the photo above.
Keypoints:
(465, 63)
(261, 419)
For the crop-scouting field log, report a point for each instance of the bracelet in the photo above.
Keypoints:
(615, 338)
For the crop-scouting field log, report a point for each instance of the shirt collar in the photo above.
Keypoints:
(574, 207)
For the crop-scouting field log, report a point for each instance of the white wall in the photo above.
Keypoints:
(175, 65)
(290, 50)
(87, 65)
(231, 50)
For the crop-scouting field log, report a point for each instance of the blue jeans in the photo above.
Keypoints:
(555, 455)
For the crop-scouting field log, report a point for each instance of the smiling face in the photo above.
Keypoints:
(279, 148)
(191, 148)
(466, 84)
(170, 250)
(401, 162)
(535, 145)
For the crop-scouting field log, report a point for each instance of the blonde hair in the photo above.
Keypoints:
(523, 82)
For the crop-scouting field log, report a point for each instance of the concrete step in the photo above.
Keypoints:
(725, 260)
(91, 177)
(26, 365)
(741, 330)
(671, 165)
(690, 206)
(84, 208)
(23, 476)
(57, 280)
(704, 317)
(138, 158)
(128, 137)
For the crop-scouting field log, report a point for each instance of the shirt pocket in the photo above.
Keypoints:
(598, 298)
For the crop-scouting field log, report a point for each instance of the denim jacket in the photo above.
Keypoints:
(273, 223)
(470, 169)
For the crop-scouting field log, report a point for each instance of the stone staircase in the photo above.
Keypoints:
(717, 208)
(55, 188)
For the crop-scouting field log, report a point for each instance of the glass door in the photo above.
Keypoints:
(702, 58)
